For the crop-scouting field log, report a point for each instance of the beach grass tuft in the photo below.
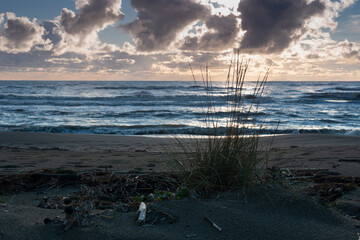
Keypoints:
(230, 156)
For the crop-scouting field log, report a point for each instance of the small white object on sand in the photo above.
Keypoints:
(142, 213)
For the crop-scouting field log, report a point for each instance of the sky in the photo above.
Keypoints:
(302, 40)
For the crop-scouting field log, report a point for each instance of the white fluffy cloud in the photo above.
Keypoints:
(80, 30)
(92, 16)
(2, 18)
(331, 12)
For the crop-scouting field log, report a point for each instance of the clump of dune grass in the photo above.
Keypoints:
(230, 156)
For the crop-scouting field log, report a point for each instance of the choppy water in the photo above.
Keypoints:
(145, 108)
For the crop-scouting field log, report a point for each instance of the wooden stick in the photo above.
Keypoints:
(213, 224)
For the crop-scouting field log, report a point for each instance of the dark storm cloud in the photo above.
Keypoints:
(159, 21)
(225, 30)
(272, 25)
(93, 15)
(21, 34)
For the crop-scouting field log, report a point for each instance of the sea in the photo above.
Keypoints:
(154, 108)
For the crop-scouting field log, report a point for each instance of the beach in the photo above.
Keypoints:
(181, 119)
(26, 151)
(283, 217)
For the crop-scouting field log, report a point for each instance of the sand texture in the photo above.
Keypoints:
(280, 215)
(22, 151)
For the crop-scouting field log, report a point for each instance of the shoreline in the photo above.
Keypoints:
(31, 138)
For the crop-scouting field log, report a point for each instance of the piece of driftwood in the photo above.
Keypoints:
(299, 178)
(213, 224)
(142, 213)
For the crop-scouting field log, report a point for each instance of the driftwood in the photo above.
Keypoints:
(170, 217)
(323, 184)
(213, 224)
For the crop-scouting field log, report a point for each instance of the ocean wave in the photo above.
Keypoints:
(329, 121)
(55, 112)
(351, 89)
(136, 87)
(138, 114)
(132, 114)
(154, 87)
(144, 94)
(141, 95)
(52, 103)
(142, 98)
(331, 96)
(168, 129)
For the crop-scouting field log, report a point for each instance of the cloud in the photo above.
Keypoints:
(222, 33)
(52, 31)
(127, 61)
(70, 43)
(321, 48)
(80, 30)
(159, 21)
(63, 61)
(349, 49)
(20, 34)
(225, 3)
(332, 11)
(93, 15)
(21, 60)
(272, 25)
(1, 18)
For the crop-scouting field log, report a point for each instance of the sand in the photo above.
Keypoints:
(23, 151)
(259, 219)
(286, 216)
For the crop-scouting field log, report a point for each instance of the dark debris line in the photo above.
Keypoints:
(107, 188)
(104, 190)
(118, 191)
(97, 191)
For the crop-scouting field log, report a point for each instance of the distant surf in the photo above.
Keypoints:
(155, 108)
